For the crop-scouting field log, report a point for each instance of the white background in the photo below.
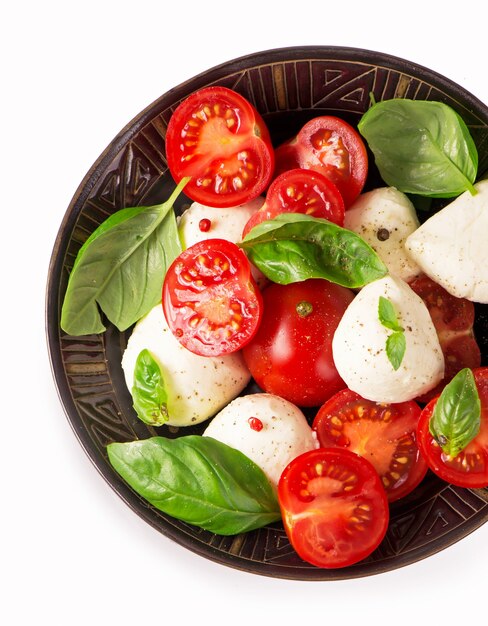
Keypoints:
(73, 74)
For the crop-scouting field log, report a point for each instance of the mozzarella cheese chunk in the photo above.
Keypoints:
(452, 246)
(224, 223)
(284, 435)
(359, 345)
(197, 386)
(384, 218)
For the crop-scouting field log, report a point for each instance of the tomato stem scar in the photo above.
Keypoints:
(304, 308)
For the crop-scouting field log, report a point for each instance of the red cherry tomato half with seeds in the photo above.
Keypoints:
(470, 467)
(218, 138)
(300, 191)
(331, 146)
(453, 319)
(384, 434)
(210, 299)
(334, 507)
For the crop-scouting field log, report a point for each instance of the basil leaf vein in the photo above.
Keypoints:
(121, 267)
(198, 480)
(456, 418)
(293, 247)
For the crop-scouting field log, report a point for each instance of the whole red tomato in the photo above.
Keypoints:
(291, 354)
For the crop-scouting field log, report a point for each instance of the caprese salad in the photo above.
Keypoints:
(334, 300)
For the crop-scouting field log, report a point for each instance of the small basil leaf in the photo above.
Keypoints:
(421, 147)
(149, 391)
(387, 314)
(456, 417)
(395, 348)
(198, 480)
(294, 247)
(121, 268)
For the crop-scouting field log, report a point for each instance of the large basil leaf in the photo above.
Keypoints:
(149, 391)
(198, 480)
(121, 268)
(421, 147)
(293, 247)
(456, 417)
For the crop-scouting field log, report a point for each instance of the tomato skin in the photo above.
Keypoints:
(384, 434)
(291, 354)
(470, 467)
(453, 319)
(333, 505)
(219, 139)
(331, 146)
(300, 191)
(210, 300)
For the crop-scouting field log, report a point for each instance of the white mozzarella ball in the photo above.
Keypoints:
(359, 345)
(284, 435)
(198, 386)
(224, 223)
(451, 246)
(384, 218)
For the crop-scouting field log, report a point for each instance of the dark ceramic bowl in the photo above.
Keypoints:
(288, 86)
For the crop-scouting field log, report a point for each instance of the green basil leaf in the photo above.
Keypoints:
(149, 391)
(387, 314)
(396, 345)
(121, 268)
(293, 247)
(198, 480)
(421, 147)
(456, 417)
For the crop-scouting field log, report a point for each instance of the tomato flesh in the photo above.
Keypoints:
(453, 320)
(470, 467)
(333, 505)
(210, 300)
(331, 146)
(300, 191)
(218, 138)
(384, 434)
(291, 354)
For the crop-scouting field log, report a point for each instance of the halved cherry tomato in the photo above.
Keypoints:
(470, 467)
(291, 354)
(334, 507)
(300, 191)
(453, 319)
(219, 139)
(332, 147)
(210, 299)
(384, 434)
